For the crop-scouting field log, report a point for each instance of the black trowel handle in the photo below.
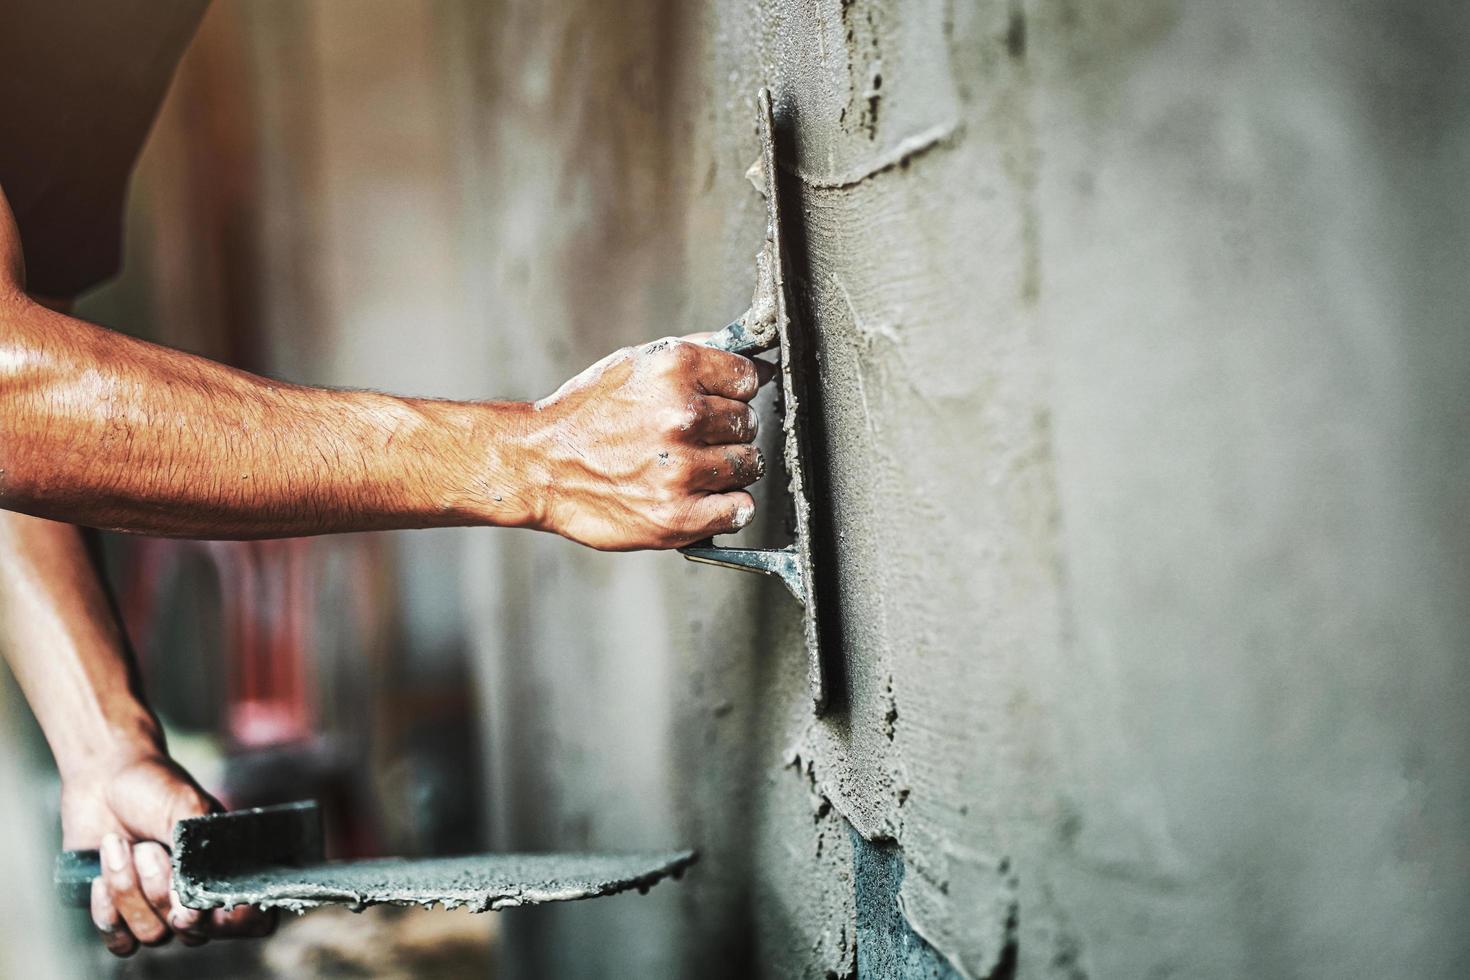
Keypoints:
(74, 873)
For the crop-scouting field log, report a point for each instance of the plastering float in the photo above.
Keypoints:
(767, 325)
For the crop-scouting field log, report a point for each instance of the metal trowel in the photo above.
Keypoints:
(765, 326)
(272, 857)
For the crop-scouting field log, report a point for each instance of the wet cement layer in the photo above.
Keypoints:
(479, 883)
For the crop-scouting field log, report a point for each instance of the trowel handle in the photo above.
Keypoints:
(74, 873)
(737, 340)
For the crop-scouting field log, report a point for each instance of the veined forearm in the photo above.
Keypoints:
(100, 429)
(65, 647)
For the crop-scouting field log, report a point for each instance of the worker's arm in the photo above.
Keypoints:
(120, 791)
(647, 449)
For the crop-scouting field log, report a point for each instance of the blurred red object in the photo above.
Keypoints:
(267, 592)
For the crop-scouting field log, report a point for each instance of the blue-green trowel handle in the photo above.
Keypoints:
(737, 340)
(74, 873)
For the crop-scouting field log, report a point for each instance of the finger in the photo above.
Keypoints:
(725, 420)
(721, 468)
(718, 513)
(188, 923)
(241, 922)
(721, 373)
(127, 894)
(764, 369)
(115, 936)
(150, 860)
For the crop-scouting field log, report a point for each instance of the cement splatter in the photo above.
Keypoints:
(899, 155)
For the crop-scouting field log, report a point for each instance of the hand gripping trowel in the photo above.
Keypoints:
(766, 325)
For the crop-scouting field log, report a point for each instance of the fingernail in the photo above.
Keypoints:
(114, 852)
(146, 859)
(104, 915)
(743, 514)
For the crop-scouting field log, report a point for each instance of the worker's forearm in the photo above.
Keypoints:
(66, 650)
(100, 429)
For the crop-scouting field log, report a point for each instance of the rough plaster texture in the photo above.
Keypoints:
(1143, 353)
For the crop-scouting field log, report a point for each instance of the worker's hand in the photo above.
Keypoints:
(125, 813)
(651, 446)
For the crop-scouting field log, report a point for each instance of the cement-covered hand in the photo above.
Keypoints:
(124, 809)
(650, 447)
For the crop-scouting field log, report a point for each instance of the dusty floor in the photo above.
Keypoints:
(384, 943)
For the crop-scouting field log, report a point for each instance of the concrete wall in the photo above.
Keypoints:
(1144, 358)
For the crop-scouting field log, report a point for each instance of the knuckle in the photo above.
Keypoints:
(685, 353)
(675, 518)
(690, 469)
(684, 417)
(672, 357)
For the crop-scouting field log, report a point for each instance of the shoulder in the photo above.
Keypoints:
(81, 86)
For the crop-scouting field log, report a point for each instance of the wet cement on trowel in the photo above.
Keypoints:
(478, 883)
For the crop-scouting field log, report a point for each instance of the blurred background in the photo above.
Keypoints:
(1144, 359)
(297, 212)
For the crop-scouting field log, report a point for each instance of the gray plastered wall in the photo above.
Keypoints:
(1143, 342)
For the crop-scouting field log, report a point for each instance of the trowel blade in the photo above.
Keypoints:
(271, 857)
